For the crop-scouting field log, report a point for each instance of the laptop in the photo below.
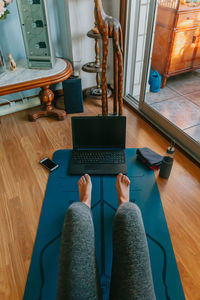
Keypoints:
(98, 145)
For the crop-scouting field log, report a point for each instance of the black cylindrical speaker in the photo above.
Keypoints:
(73, 96)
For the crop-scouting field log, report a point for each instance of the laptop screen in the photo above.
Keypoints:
(99, 132)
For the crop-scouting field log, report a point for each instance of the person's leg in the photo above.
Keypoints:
(131, 271)
(78, 276)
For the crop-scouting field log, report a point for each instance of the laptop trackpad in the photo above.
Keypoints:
(92, 167)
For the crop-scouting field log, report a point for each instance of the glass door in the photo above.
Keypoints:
(162, 67)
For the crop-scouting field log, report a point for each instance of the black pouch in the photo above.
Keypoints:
(149, 157)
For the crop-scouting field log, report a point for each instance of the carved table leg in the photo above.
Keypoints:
(46, 95)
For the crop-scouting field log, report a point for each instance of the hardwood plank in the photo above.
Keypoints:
(23, 182)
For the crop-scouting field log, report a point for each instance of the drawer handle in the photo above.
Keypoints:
(188, 18)
(194, 39)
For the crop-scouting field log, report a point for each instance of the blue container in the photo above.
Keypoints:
(154, 81)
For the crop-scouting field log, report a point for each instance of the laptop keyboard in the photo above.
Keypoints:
(100, 157)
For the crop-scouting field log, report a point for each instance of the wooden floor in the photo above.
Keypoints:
(23, 183)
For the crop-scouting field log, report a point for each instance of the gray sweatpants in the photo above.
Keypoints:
(78, 277)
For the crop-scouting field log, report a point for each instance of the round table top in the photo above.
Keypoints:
(23, 78)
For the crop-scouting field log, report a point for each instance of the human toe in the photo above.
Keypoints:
(81, 180)
(119, 176)
(127, 180)
(87, 177)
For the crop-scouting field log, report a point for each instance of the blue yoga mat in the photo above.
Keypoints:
(62, 190)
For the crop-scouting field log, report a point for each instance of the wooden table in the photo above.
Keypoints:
(25, 79)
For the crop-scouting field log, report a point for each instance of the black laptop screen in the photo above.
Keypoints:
(99, 132)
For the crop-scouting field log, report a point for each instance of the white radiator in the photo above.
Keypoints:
(8, 107)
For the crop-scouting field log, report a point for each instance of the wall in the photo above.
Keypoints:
(70, 21)
(11, 39)
(11, 35)
(81, 21)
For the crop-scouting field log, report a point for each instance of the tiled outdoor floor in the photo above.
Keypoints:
(179, 102)
(194, 132)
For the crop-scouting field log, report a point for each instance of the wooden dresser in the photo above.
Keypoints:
(176, 47)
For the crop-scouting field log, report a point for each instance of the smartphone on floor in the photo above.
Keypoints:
(49, 164)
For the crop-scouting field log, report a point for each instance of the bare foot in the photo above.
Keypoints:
(85, 189)
(122, 186)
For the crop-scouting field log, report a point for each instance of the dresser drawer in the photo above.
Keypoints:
(188, 19)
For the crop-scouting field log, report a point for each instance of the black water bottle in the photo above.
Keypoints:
(167, 162)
